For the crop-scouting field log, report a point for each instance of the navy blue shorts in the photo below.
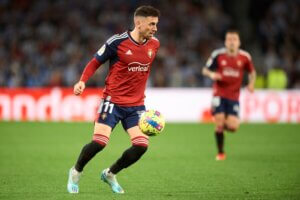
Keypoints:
(226, 106)
(110, 114)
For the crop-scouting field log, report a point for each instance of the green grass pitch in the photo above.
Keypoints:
(263, 163)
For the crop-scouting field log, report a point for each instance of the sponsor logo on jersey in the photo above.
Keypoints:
(150, 53)
(128, 52)
(231, 72)
(138, 67)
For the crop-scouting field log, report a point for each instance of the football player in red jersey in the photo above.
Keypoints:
(130, 57)
(226, 67)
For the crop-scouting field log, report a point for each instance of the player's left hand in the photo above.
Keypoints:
(250, 88)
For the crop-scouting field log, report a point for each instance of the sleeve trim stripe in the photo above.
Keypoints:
(216, 52)
(116, 37)
(245, 53)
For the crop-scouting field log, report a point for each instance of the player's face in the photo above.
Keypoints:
(232, 42)
(148, 26)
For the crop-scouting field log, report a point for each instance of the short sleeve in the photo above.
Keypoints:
(105, 53)
(249, 65)
(211, 63)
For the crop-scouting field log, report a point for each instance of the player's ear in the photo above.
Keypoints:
(137, 22)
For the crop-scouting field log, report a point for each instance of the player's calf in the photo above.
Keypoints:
(90, 150)
(131, 155)
(219, 134)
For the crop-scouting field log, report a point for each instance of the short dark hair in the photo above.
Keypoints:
(147, 11)
(233, 31)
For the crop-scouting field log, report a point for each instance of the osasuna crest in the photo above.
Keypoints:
(239, 63)
(103, 116)
(223, 62)
(150, 53)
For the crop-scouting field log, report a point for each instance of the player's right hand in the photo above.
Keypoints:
(215, 76)
(79, 87)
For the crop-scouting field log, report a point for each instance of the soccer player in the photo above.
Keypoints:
(130, 58)
(226, 67)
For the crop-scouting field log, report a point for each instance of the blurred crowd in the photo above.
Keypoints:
(48, 43)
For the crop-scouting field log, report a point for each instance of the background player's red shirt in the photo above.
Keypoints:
(129, 69)
(231, 69)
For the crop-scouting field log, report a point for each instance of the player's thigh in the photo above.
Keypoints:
(102, 129)
(132, 116)
(135, 131)
(232, 123)
(232, 112)
(130, 122)
(219, 119)
(218, 111)
(108, 117)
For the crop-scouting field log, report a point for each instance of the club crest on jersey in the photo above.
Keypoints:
(150, 53)
(239, 63)
(223, 62)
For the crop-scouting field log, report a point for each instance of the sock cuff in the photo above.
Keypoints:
(219, 129)
(140, 141)
(100, 139)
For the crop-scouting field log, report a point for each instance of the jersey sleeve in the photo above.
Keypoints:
(106, 52)
(211, 63)
(249, 65)
(89, 70)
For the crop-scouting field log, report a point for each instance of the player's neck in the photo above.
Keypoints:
(137, 37)
(232, 53)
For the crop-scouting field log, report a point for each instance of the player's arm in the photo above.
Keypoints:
(252, 78)
(210, 67)
(102, 55)
(211, 74)
(252, 74)
(88, 71)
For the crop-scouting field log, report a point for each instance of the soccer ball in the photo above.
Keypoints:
(152, 122)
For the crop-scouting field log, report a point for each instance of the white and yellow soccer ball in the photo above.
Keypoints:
(152, 122)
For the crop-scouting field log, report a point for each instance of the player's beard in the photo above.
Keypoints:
(232, 50)
(149, 35)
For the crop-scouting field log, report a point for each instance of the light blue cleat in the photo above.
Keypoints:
(73, 181)
(111, 180)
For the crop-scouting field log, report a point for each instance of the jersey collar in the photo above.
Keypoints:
(135, 42)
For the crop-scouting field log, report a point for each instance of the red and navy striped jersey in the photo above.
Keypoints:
(129, 68)
(231, 68)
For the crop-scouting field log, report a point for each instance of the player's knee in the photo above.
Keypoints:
(232, 127)
(100, 139)
(219, 128)
(140, 143)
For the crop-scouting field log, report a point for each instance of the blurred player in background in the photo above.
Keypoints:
(226, 67)
(130, 55)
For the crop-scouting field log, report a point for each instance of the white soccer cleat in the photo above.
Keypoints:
(111, 180)
(73, 181)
